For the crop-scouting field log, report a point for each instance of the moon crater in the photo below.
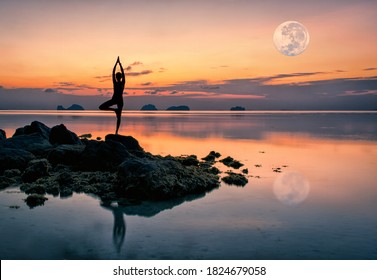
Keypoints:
(291, 38)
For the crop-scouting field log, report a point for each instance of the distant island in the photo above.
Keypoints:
(72, 107)
(178, 108)
(237, 108)
(148, 107)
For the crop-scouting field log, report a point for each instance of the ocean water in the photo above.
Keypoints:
(312, 191)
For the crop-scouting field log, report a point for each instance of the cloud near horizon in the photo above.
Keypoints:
(356, 93)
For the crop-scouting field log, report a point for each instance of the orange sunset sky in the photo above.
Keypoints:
(206, 54)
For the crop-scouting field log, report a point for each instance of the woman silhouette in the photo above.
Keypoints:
(119, 80)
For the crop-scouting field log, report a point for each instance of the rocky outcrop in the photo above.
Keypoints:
(163, 178)
(34, 143)
(55, 161)
(61, 135)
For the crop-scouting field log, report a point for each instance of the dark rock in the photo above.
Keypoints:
(6, 182)
(37, 189)
(212, 156)
(148, 107)
(190, 160)
(60, 107)
(237, 108)
(36, 169)
(34, 143)
(65, 192)
(163, 179)
(178, 108)
(3, 135)
(65, 179)
(11, 173)
(61, 135)
(103, 155)
(231, 162)
(35, 200)
(129, 142)
(14, 159)
(65, 154)
(245, 171)
(34, 127)
(235, 179)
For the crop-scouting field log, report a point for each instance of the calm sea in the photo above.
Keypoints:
(322, 205)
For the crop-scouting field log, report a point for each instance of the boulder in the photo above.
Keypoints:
(231, 162)
(3, 135)
(34, 127)
(103, 155)
(6, 182)
(34, 143)
(36, 169)
(129, 142)
(65, 154)
(61, 135)
(14, 159)
(162, 178)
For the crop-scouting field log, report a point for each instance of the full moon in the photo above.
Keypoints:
(291, 188)
(291, 38)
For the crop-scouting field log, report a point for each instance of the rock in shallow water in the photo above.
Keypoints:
(36, 169)
(163, 178)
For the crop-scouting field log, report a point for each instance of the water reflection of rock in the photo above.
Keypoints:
(150, 208)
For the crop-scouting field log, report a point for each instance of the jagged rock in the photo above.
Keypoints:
(14, 159)
(34, 200)
(163, 178)
(65, 154)
(34, 127)
(129, 142)
(3, 135)
(34, 143)
(61, 135)
(36, 169)
(235, 179)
